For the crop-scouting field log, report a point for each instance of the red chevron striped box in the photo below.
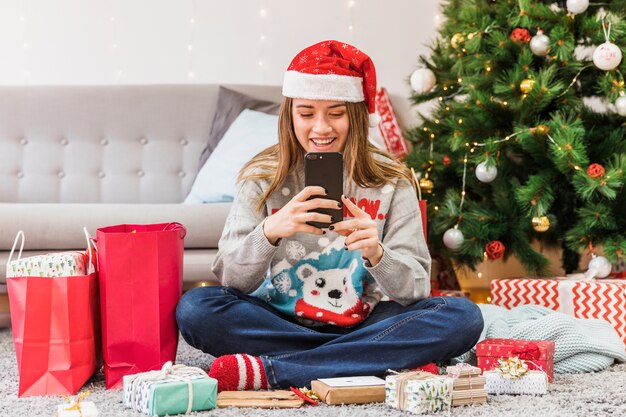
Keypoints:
(601, 299)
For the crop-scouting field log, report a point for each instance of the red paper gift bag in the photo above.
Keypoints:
(56, 331)
(141, 270)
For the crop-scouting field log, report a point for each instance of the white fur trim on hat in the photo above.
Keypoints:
(323, 87)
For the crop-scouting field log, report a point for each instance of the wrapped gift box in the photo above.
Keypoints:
(259, 399)
(81, 409)
(603, 299)
(538, 354)
(418, 392)
(534, 383)
(61, 264)
(468, 385)
(350, 390)
(164, 392)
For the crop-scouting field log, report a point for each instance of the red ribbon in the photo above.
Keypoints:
(529, 351)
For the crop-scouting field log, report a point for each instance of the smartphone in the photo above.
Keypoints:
(325, 169)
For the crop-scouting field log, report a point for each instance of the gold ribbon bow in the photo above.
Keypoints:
(75, 405)
(512, 368)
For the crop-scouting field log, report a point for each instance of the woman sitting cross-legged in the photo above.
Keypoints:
(300, 302)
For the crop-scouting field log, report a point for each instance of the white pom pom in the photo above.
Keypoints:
(374, 119)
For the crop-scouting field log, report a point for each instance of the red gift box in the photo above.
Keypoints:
(538, 354)
(602, 299)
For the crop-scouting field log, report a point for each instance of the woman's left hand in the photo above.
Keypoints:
(361, 233)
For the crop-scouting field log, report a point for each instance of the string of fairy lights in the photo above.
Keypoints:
(606, 57)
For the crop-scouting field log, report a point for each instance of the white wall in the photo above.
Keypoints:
(205, 41)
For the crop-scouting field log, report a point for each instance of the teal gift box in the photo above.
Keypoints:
(175, 389)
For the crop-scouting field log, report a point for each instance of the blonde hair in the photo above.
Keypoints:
(275, 162)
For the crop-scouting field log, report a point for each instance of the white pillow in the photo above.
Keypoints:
(249, 134)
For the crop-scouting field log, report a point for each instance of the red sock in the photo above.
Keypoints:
(429, 367)
(239, 372)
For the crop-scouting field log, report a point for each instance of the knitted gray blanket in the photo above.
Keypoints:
(581, 345)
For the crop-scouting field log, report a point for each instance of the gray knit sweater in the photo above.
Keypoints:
(312, 277)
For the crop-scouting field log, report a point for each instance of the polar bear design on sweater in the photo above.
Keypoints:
(329, 296)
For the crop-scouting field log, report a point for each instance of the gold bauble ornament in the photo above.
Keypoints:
(527, 85)
(541, 224)
(456, 39)
(427, 185)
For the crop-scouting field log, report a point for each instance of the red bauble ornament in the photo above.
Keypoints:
(494, 249)
(520, 35)
(595, 171)
(447, 161)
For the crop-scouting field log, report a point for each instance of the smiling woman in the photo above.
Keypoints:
(305, 302)
(320, 126)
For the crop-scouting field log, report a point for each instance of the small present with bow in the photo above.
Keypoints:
(512, 376)
(175, 389)
(77, 407)
(418, 392)
(468, 384)
(537, 354)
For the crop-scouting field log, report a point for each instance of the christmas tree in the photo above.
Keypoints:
(526, 139)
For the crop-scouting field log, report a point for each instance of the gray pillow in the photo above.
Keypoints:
(230, 104)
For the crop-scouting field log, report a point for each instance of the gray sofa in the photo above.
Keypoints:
(74, 156)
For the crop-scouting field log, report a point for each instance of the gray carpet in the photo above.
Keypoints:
(599, 394)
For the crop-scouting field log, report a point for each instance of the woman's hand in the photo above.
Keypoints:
(361, 233)
(292, 218)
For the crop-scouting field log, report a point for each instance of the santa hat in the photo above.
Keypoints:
(333, 70)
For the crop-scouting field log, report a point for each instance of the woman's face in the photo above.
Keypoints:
(320, 126)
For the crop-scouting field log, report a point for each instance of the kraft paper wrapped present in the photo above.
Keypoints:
(77, 408)
(350, 390)
(418, 392)
(468, 386)
(538, 354)
(175, 389)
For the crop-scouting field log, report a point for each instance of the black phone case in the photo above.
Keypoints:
(325, 169)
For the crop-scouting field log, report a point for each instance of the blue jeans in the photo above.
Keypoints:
(222, 321)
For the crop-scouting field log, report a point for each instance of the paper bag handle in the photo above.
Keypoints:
(176, 226)
(90, 244)
(19, 256)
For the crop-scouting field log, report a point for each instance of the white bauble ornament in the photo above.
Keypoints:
(423, 80)
(540, 44)
(607, 56)
(453, 238)
(577, 6)
(620, 105)
(599, 267)
(486, 173)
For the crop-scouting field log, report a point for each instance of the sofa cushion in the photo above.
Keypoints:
(230, 104)
(251, 133)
